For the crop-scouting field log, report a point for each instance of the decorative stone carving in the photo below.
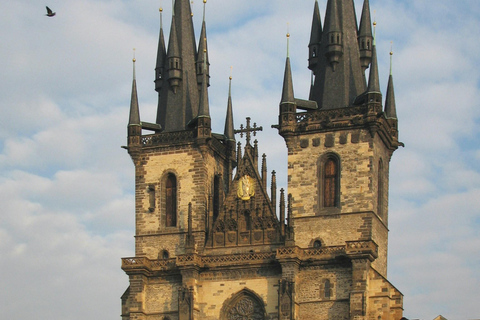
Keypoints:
(244, 306)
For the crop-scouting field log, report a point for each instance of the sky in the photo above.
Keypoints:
(67, 186)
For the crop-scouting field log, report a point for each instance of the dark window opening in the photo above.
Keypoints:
(330, 183)
(171, 201)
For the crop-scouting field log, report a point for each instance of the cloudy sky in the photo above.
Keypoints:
(66, 186)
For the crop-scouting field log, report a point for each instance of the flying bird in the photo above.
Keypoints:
(50, 13)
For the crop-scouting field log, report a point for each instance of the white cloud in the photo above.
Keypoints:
(66, 187)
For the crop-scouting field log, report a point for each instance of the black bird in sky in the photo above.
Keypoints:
(50, 13)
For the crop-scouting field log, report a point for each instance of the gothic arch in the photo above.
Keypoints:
(169, 199)
(244, 304)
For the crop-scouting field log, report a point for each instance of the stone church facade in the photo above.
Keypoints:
(213, 240)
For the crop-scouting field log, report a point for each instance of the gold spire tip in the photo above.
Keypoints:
(134, 55)
(391, 48)
(204, 1)
(160, 9)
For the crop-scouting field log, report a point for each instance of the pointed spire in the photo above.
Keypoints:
(365, 37)
(161, 57)
(390, 106)
(273, 192)
(287, 93)
(338, 75)
(334, 34)
(229, 127)
(178, 98)
(203, 64)
(174, 60)
(315, 37)
(204, 110)
(373, 80)
(134, 109)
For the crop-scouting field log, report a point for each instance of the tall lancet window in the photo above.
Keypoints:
(171, 201)
(330, 183)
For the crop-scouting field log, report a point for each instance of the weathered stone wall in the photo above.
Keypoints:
(355, 150)
(384, 300)
(194, 169)
(358, 216)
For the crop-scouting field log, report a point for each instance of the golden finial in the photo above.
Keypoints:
(204, 1)
(134, 55)
(161, 9)
(288, 40)
(192, 6)
(391, 57)
(231, 70)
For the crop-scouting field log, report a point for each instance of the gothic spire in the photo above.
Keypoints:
(161, 57)
(203, 64)
(134, 119)
(229, 127)
(179, 99)
(390, 106)
(373, 79)
(365, 37)
(339, 77)
(204, 110)
(287, 93)
(315, 37)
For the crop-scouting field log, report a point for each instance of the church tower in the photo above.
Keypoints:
(212, 241)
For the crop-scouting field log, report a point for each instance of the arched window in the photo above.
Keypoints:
(317, 244)
(165, 255)
(380, 196)
(171, 201)
(330, 183)
(327, 289)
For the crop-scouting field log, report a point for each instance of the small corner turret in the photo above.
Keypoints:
(334, 34)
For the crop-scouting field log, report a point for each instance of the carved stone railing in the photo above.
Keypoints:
(167, 138)
(362, 247)
(136, 263)
(316, 252)
(304, 254)
(143, 263)
(330, 114)
(239, 258)
(352, 248)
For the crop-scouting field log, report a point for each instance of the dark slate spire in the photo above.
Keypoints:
(339, 77)
(373, 79)
(334, 34)
(315, 38)
(134, 128)
(204, 110)
(134, 119)
(365, 37)
(202, 47)
(179, 100)
(229, 127)
(161, 57)
(390, 106)
(287, 93)
(174, 60)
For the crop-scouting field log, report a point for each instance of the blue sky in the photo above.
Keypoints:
(66, 186)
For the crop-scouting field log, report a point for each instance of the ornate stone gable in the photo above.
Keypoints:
(247, 215)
